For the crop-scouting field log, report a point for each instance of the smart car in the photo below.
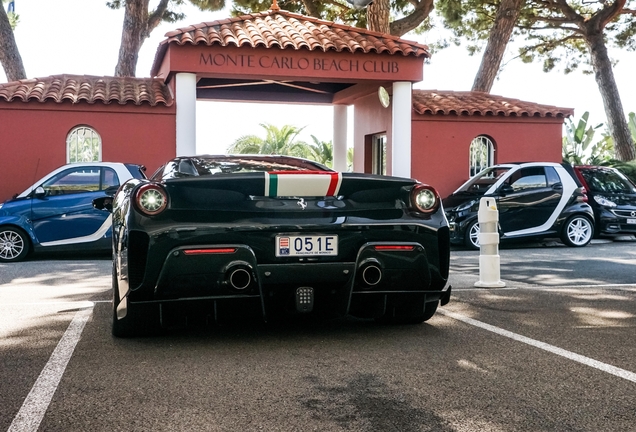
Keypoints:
(612, 197)
(275, 235)
(56, 213)
(534, 200)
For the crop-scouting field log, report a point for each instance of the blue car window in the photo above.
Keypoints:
(73, 181)
(111, 180)
(553, 176)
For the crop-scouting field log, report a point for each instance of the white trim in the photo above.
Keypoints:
(121, 170)
(340, 137)
(186, 115)
(101, 232)
(402, 106)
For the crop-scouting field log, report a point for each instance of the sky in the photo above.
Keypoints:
(83, 36)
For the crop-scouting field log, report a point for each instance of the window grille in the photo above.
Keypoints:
(481, 155)
(83, 144)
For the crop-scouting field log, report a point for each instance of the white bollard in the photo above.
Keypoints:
(488, 217)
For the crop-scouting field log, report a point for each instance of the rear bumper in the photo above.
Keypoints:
(375, 279)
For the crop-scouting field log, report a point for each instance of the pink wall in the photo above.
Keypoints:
(370, 118)
(34, 135)
(441, 143)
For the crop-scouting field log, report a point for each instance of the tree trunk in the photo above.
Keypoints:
(410, 22)
(378, 14)
(133, 34)
(311, 8)
(604, 75)
(9, 55)
(498, 39)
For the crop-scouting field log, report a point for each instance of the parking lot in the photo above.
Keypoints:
(551, 351)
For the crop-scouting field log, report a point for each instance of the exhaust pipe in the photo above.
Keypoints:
(238, 275)
(371, 272)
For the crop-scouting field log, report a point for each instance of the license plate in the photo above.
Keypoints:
(631, 221)
(323, 245)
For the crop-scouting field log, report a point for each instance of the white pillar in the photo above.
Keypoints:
(401, 140)
(186, 104)
(340, 137)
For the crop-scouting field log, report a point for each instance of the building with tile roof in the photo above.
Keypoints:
(275, 56)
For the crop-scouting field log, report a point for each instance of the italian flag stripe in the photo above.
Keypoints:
(297, 183)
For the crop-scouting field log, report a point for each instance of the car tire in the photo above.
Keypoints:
(140, 319)
(577, 231)
(14, 244)
(471, 236)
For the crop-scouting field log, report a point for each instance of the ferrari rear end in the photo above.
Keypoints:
(276, 242)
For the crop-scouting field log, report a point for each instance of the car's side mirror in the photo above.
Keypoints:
(104, 203)
(39, 192)
(506, 189)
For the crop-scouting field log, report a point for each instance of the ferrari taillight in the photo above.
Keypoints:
(424, 198)
(151, 199)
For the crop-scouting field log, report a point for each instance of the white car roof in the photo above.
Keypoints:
(120, 169)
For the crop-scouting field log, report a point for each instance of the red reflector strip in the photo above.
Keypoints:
(394, 247)
(209, 251)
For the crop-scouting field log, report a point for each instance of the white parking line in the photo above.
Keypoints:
(37, 401)
(80, 303)
(621, 373)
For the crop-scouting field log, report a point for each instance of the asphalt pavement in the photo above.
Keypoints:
(553, 350)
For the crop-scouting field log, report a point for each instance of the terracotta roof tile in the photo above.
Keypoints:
(288, 30)
(481, 104)
(91, 89)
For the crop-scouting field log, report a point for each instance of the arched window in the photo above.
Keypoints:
(482, 154)
(83, 144)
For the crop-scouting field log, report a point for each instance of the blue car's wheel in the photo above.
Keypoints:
(14, 244)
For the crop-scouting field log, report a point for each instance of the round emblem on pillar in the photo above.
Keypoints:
(384, 97)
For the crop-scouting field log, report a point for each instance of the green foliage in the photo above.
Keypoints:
(14, 18)
(602, 153)
(334, 10)
(338, 11)
(321, 151)
(577, 139)
(284, 141)
(550, 34)
(171, 14)
(276, 142)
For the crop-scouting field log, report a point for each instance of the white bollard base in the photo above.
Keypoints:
(489, 272)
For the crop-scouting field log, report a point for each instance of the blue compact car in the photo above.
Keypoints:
(56, 213)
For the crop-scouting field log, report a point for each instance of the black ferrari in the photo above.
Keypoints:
(217, 236)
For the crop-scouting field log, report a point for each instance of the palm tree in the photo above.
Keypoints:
(277, 141)
(321, 151)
